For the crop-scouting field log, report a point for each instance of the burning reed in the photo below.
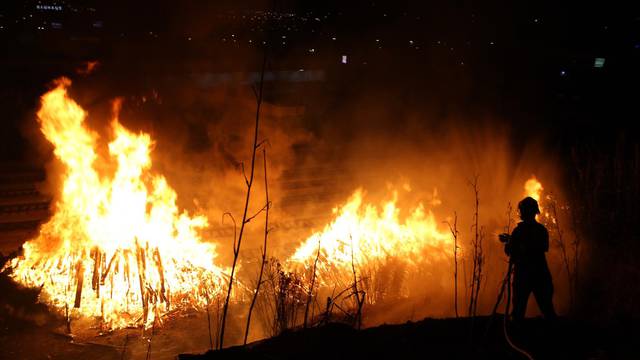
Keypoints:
(120, 250)
(117, 247)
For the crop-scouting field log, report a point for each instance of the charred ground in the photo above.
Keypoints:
(442, 339)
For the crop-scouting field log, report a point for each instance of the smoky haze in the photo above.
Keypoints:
(320, 150)
(428, 112)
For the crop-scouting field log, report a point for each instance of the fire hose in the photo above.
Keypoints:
(506, 239)
(507, 283)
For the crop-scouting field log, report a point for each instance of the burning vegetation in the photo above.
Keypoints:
(373, 248)
(117, 247)
(119, 250)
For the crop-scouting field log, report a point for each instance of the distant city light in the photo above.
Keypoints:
(598, 63)
(49, 7)
(563, 73)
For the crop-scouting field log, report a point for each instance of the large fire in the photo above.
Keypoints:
(117, 247)
(363, 236)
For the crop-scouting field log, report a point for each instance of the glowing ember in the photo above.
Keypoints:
(363, 234)
(116, 247)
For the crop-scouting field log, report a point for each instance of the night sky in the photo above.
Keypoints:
(530, 62)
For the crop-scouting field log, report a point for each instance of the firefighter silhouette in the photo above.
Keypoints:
(527, 246)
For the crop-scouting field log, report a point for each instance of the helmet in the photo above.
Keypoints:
(528, 205)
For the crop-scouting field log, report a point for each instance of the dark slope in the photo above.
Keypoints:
(442, 339)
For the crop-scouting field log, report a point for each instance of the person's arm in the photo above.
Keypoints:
(507, 248)
(505, 238)
(510, 245)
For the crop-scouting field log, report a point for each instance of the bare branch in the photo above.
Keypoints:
(355, 289)
(560, 241)
(263, 142)
(246, 181)
(209, 323)
(249, 183)
(266, 207)
(255, 91)
(234, 228)
(313, 279)
(264, 247)
(454, 233)
(478, 258)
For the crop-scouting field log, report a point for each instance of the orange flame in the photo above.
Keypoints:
(117, 247)
(362, 234)
(88, 67)
(533, 187)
